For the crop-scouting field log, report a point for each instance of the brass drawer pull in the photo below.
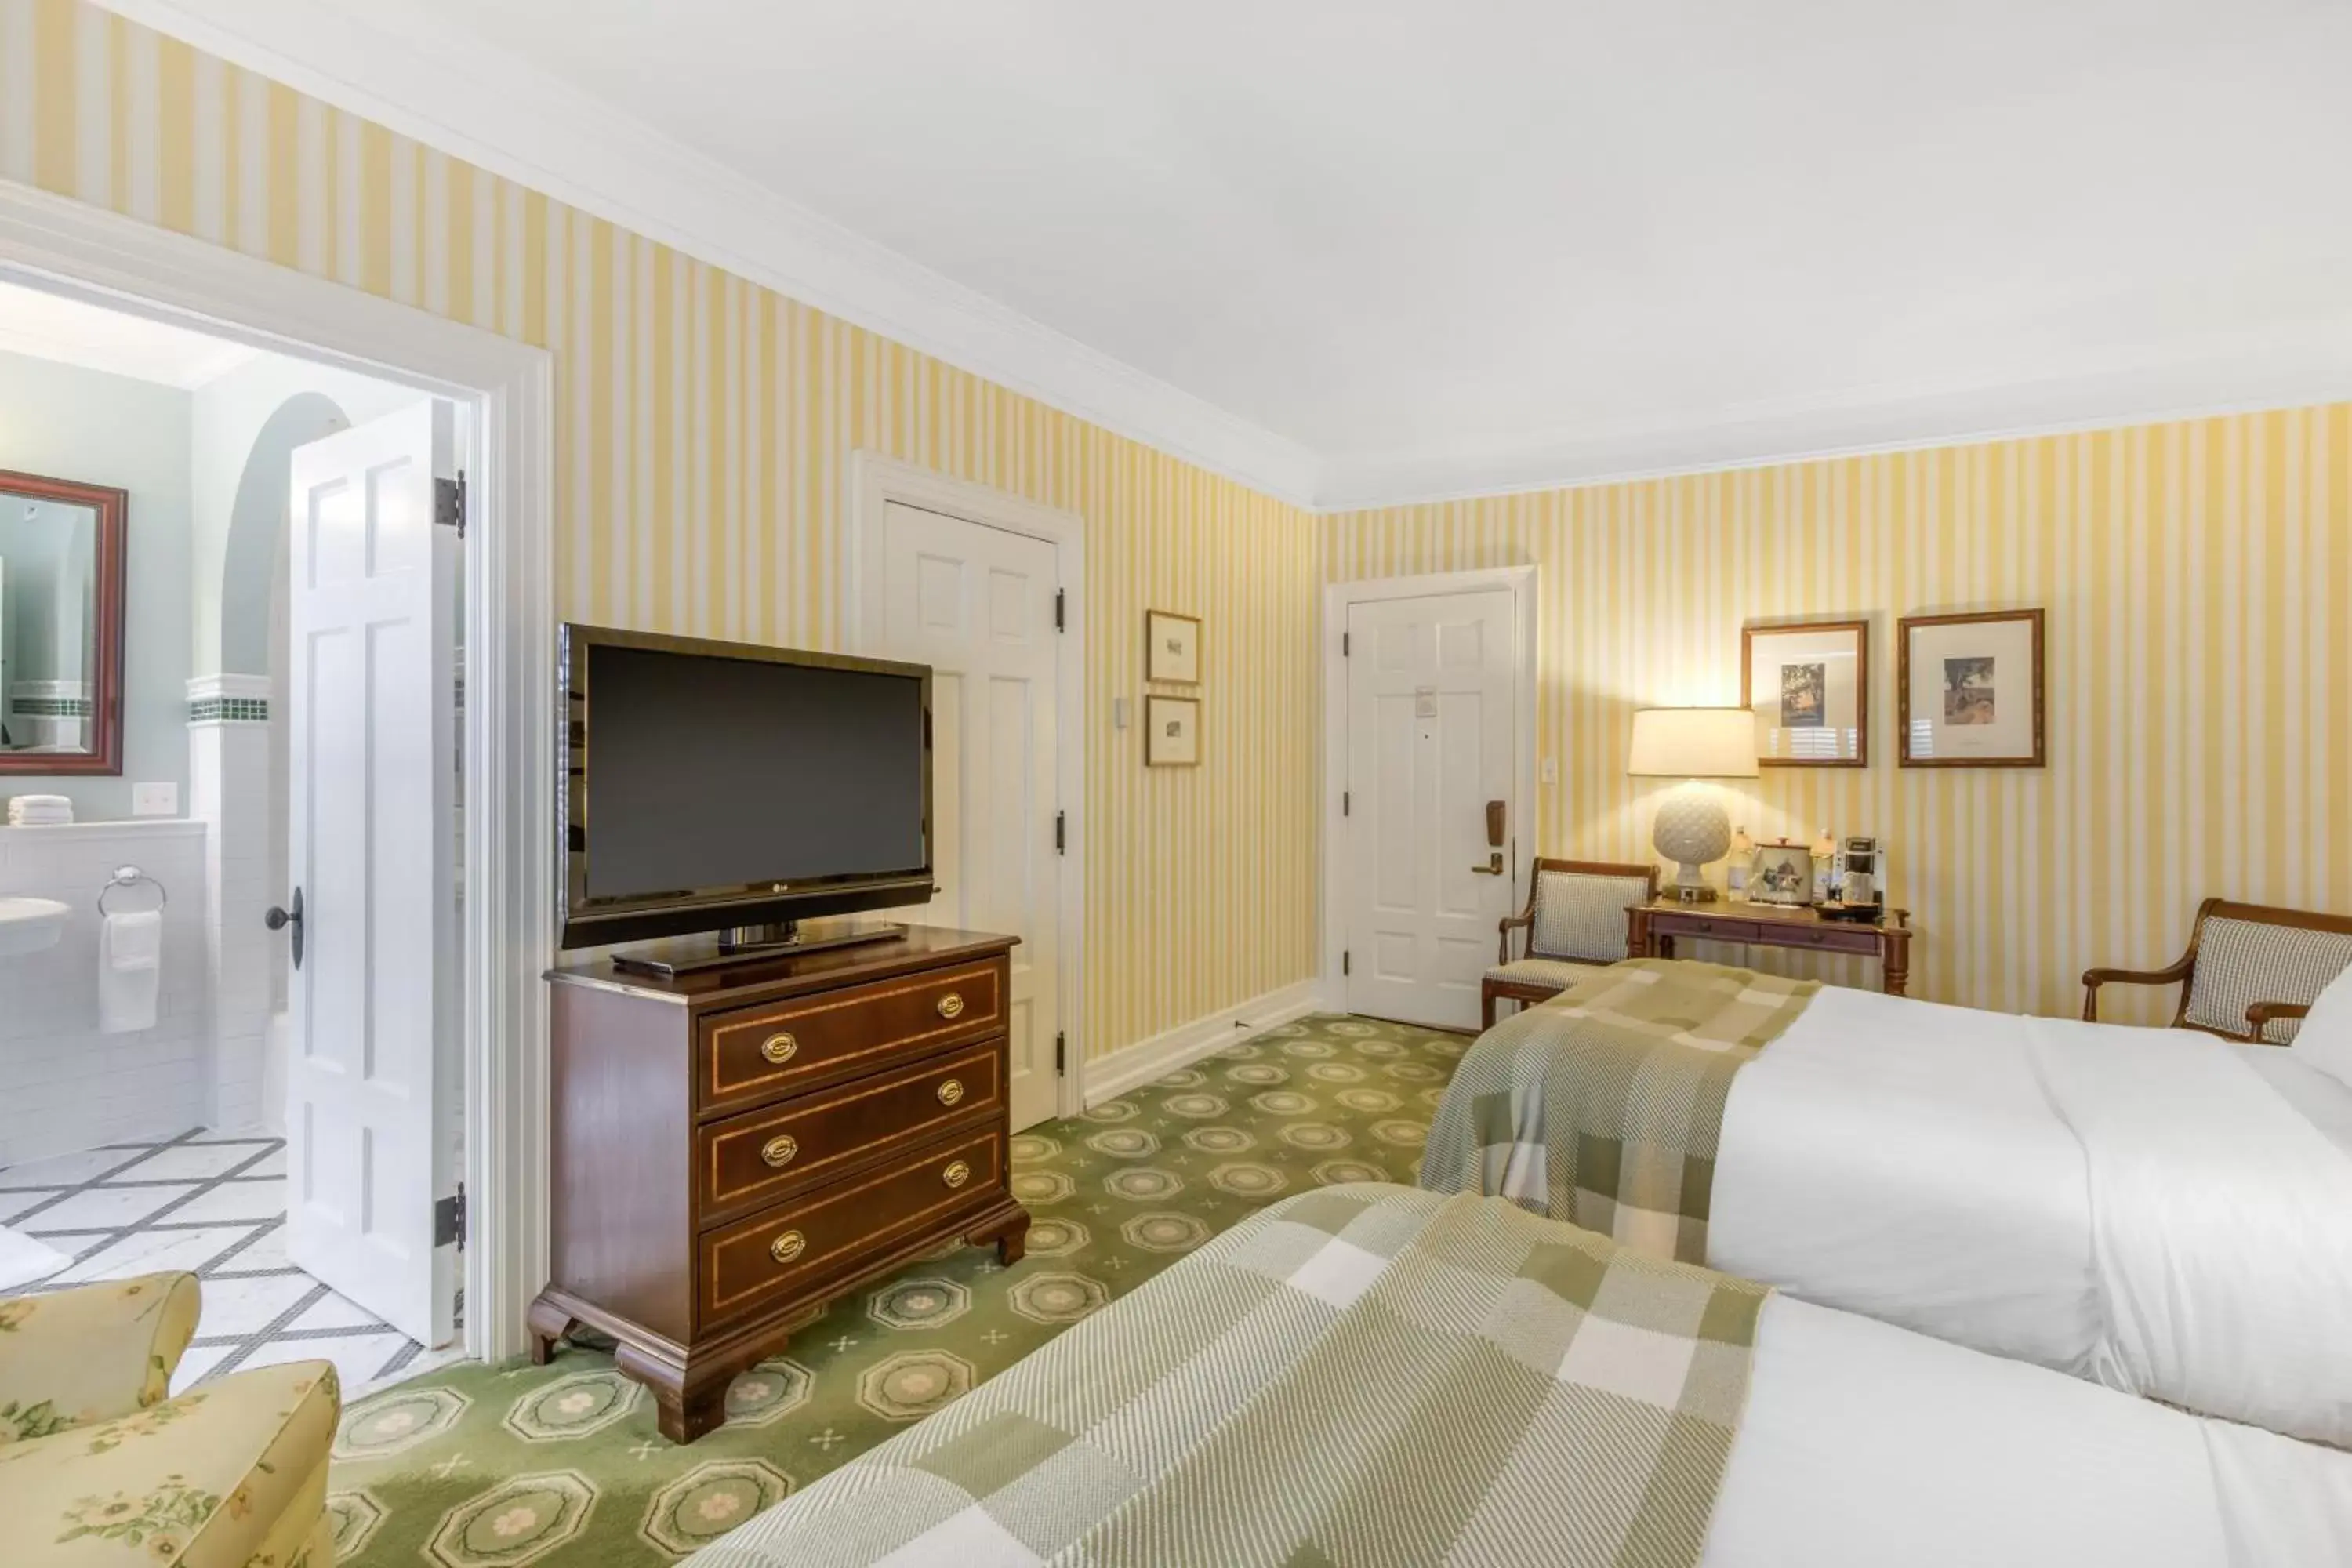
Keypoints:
(950, 1091)
(779, 1048)
(778, 1151)
(787, 1246)
(950, 1005)
(956, 1174)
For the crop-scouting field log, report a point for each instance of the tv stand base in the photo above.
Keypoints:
(745, 944)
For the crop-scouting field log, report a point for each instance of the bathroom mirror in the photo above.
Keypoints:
(60, 626)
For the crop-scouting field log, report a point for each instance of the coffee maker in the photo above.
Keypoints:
(1861, 879)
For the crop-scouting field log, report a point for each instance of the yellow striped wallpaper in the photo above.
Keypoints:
(705, 432)
(2197, 578)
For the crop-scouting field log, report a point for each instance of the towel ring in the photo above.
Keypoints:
(130, 877)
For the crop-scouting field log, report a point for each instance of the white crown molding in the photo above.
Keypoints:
(2288, 365)
(503, 114)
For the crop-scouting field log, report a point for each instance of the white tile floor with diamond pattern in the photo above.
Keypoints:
(213, 1204)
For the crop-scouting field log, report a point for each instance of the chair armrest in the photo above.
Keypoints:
(93, 1353)
(2093, 979)
(1503, 932)
(2262, 1015)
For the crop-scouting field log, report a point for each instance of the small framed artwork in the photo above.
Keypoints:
(1172, 732)
(1970, 689)
(1783, 874)
(1808, 684)
(1171, 648)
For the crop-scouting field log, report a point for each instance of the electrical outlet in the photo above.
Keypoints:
(154, 800)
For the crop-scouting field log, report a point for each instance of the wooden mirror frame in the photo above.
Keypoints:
(112, 506)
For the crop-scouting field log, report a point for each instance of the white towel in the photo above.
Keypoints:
(129, 963)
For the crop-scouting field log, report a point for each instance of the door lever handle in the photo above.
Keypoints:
(279, 919)
(1494, 866)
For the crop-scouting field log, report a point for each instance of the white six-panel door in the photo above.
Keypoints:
(373, 790)
(1431, 700)
(976, 604)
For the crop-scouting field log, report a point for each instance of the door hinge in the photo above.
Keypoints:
(1345, 964)
(1343, 645)
(1346, 803)
(1060, 1053)
(1061, 606)
(1061, 833)
(449, 1220)
(449, 503)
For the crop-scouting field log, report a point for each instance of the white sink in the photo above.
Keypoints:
(30, 925)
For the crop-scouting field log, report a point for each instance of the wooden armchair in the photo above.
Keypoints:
(1575, 921)
(2250, 972)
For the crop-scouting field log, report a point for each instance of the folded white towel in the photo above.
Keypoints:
(130, 964)
(60, 802)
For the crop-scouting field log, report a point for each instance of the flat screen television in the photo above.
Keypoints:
(730, 788)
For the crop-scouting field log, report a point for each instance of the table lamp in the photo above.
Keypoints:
(1692, 743)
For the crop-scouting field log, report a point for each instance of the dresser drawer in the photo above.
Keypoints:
(832, 1230)
(763, 1155)
(756, 1054)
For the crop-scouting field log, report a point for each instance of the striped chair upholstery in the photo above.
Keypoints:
(2241, 962)
(2240, 956)
(1575, 921)
(1581, 917)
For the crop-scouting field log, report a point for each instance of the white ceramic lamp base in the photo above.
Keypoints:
(1693, 830)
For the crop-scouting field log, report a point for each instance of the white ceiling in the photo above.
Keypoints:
(1367, 249)
(52, 327)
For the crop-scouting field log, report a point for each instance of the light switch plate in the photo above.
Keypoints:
(1551, 770)
(1118, 713)
(154, 800)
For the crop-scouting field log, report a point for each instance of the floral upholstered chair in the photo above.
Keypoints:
(1575, 921)
(2250, 972)
(97, 1466)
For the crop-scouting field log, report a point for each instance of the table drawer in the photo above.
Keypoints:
(756, 1054)
(1831, 939)
(832, 1230)
(763, 1155)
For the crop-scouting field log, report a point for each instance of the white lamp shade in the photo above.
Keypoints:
(1694, 744)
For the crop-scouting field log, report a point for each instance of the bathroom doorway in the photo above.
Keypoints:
(147, 1121)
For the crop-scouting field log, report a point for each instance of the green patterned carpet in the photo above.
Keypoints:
(562, 1465)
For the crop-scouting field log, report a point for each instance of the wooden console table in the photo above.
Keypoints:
(1652, 929)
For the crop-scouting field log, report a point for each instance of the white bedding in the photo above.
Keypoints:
(1865, 1445)
(2142, 1206)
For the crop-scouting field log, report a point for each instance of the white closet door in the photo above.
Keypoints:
(976, 604)
(372, 802)
(1431, 695)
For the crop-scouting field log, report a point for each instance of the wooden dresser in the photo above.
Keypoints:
(734, 1147)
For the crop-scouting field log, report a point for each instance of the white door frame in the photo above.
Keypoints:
(70, 247)
(875, 480)
(1337, 597)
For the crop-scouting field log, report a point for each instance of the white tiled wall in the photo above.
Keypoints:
(228, 779)
(63, 1086)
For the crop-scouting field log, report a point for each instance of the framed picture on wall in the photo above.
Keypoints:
(1808, 684)
(1971, 689)
(1172, 732)
(1171, 648)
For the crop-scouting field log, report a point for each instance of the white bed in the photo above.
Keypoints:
(2158, 1210)
(1865, 1445)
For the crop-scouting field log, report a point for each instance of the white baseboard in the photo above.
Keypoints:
(1163, 1053)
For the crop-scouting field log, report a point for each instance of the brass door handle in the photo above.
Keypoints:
(779, 1048)
(950, 1005)
(956, 1174)
(1494, 866)
(787, 1246)
(778, 1151)
(950, 1091)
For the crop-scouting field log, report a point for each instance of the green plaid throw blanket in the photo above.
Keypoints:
(1604, 1106)
(1362, 1375)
